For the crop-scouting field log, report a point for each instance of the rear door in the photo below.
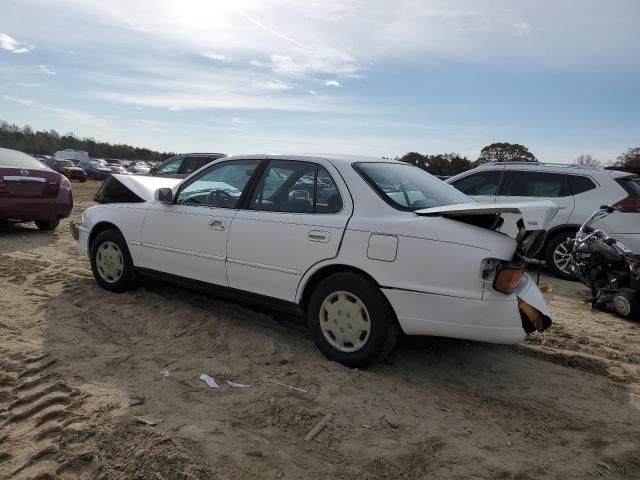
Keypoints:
(531, 185)
(482, 186)
(295, 218)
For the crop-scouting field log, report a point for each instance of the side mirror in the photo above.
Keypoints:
(164, 195)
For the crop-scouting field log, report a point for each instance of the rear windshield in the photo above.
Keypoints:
(64, 163)
(12, 158)
(406, 187)
(631, 185)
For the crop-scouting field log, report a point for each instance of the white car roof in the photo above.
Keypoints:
(333, 158)
(548, 167)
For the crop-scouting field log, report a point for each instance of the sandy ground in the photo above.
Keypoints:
(81, 367)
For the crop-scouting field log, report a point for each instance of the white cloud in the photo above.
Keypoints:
(64, 113)
(332, 83)
(12, 45)
(313, 92)
(31, 84)
(44, 69)
(216, 56)
(274, 33)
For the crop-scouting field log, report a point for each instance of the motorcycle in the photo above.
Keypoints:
(607, 267)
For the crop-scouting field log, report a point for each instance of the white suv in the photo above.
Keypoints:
(578, 191)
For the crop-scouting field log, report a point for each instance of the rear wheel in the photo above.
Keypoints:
(351, 321)
(47, 224)
(111, 262)
(558, 255)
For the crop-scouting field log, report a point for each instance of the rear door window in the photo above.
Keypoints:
(169, 166)
(191, 164)
(535, 184)
(482, 183)
(580, 184)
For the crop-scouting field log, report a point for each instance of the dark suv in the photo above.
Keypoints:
(184, 164)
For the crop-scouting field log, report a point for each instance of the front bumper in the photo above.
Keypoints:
(80, 234)
(482, 320)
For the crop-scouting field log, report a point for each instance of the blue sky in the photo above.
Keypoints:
(343, 76)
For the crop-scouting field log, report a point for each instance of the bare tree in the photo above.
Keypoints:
(587, 160)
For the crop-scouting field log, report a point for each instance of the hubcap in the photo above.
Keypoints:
(109, 262)
(345, 321)
(562, 258)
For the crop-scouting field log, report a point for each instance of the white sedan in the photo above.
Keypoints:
(365, 247)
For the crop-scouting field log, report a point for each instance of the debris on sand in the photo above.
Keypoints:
(288, 386)
(237, 385)
(318, 428)
(151, 421)
(209, 380)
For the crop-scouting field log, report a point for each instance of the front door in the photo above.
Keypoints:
(189, 237)
(295, 219)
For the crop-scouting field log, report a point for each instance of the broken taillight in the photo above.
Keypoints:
(507, 278)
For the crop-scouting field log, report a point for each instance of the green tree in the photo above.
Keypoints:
(48, 142)
(506, 152)
(630, 158)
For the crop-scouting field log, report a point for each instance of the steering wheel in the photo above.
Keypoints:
(219, 198)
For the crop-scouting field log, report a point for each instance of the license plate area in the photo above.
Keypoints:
(25, 189)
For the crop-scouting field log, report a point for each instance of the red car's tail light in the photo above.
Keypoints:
(65, 184)
(507, 278)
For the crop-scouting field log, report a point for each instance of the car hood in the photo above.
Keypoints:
(145, 187)
(536, 217)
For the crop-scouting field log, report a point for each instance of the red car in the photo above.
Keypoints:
(31, 191)
(69, 170)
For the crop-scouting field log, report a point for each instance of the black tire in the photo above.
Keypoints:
(82, 180)
(129, 276)
(47, 224)
(550, 249)
(383, 331)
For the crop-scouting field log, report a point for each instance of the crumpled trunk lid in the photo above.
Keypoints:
(532, 227)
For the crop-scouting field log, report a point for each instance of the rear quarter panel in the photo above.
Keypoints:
(434, 255)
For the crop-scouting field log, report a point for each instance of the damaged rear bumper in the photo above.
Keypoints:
(493, 321)
(533, 307)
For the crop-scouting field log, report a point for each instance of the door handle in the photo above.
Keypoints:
(318, 236)
(217, 225)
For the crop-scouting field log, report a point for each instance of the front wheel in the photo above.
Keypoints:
(558, 255)
(351, 321)
(111, 262)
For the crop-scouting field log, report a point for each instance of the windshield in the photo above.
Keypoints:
(406, 187)
(64, 163)
(13, 158)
